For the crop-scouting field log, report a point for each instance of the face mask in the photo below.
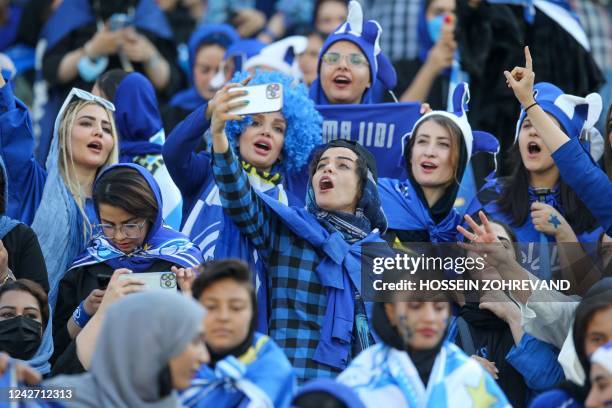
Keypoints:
(90, 70)
(20, 337)
(434, 27)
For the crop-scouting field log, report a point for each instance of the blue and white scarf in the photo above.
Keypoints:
(262, 377)
(383, 376)
(161, 242)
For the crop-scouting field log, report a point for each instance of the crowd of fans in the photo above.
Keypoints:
(122, 154)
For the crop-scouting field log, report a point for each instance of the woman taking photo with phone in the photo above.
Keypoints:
(317, 315)
(273, 149)
(131, 238)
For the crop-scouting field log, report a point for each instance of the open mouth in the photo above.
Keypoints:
(428, 166)
(342, 80)
(262, 146)
(533, 148)
(97, 146)
(325, 184)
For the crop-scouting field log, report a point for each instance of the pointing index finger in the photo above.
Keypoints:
(528, 61)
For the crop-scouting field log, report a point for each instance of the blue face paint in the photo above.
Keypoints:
(434, 27)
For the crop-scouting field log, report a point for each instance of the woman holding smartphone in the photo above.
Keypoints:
(130, 238)
(273, 149)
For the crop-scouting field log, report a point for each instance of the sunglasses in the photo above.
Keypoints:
(87, 96)
(355, 59)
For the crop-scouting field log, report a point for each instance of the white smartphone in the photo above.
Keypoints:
(154, 280)
(262, 99)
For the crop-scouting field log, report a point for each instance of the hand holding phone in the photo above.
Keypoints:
(154, 280)
(261, 99)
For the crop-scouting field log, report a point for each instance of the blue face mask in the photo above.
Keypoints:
(90, 70)
(434, 27)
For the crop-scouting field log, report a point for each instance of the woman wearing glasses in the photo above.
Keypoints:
(130, 238)
(351, 62)
(56, 201)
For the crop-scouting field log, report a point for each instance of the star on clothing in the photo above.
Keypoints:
(554, 220)
(480, 396)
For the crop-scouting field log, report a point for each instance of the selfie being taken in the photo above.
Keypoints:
(314, 203)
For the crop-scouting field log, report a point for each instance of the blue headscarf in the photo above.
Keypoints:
(224, 35)
(59, 226)
(366, 36)
(161, 242)
(137, 118)
(304, 122)
(6, 223)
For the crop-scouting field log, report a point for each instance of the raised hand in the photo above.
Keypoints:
(218, 110)
(521, 80)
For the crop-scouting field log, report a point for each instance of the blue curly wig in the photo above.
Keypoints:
(304, 122)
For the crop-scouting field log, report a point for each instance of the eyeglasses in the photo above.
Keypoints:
(81, 94)
(130, 231)
(354, 59)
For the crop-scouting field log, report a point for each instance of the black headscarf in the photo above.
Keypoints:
(423, 360)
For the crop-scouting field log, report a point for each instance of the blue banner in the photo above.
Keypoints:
(381, 128)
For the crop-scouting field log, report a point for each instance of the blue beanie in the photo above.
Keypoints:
(573, 112)
(222, 34)
(304, 122)
(366, 36)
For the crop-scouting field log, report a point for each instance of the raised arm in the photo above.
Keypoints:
(238, 198)
(25, 176)
(575, 166)
(188, 169)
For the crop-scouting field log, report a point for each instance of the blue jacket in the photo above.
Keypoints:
(534, 359)
(589, 182)
(25, 176)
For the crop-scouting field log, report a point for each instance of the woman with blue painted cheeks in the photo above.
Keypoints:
(131, 237)
(536, 201)
(414, 365)
(246, 368)
(56, 201)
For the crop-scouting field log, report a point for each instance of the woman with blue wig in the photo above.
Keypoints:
(274, 149)
(131, 236)
(207, 47)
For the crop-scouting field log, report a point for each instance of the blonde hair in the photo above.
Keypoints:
(66, 162)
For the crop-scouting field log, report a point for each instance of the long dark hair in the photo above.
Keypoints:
(126, 188)
(514, 199)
